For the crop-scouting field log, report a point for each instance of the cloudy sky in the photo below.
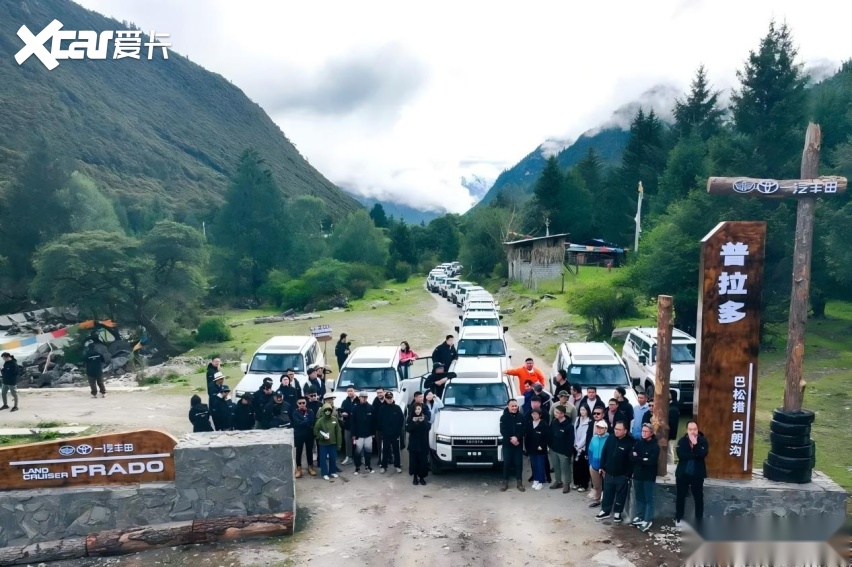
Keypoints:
(400, 100)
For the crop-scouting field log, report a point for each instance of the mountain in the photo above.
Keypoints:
(143, 129)
(519, 180)
(409, 214)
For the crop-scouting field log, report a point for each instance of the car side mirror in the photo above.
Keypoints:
(244, 367)
(461, 317)
(501, 317)
(643, 359)
(505, 329)
(327, 371)
(456, 328)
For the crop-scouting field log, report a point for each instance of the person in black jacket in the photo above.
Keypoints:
(616, 470)
(445, 353)
(261, 399)
(561, 449)
(222, 410)
(674, 424)
(276, 413)
(362, 428)
(536, 436)
(591, 400)
(512, 426)
(438, 379)
(645, 455)
(10, 376)
(418, 444)
(378, 404)
(95, 371)
(391, 423)
(213, 367)
(199, 415)
(244, 418)
(344, 413)
(315, 381)
(290, 392)
(342, 350)
(624, 405)
(303, 435)
(691, 472)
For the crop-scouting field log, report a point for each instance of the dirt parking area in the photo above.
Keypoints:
(457, 519)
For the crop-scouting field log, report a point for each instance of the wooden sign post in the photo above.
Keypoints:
(806, 191)
(114, 458)
(728, 344)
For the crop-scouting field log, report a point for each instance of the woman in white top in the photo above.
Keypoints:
(435, 404)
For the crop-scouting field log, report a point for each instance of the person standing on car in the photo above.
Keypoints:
(199, 415)
(561, 441)
(691, 471)
(645, 455)
(512, 428)
(445, 353)
(362, 429)
(438, 379)
(342, 350)
(244, 418)
(95, 371)
(406, 359)
(418, 444)
(527, 372)
(345, 413)
(303, 435)
(10, 376)
(391, 424)
(616, 471)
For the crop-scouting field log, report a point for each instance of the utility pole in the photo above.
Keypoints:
(638, 219)
(546, 225)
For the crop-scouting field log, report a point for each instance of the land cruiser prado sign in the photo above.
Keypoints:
(115, 458)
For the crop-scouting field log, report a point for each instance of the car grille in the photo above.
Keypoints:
(686, 386)
(474, 441)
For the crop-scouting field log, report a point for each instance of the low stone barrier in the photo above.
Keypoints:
(227, 484)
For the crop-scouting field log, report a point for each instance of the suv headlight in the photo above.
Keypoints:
(444, 439)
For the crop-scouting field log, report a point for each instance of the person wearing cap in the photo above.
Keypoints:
(328, 434)
(391, 423)
(199, 415)
(438, 379)
(244, 417)
(561, 442)
(214, 387)
(303, 435)
(646, 453)
(261, 399)
(596, 446)
(345, 413)
(222, 410)
(616, 471)
(361, 428)
(314, 380)
(527, 372)
(277, 413)
(564, 400)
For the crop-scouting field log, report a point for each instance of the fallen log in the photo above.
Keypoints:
(120, 542)
(240, 527)
(69, 548)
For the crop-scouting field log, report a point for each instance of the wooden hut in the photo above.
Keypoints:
(535, 259)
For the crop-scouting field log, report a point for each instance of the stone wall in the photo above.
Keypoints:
(233, 473)
(759, 497)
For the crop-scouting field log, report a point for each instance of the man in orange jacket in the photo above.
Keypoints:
(527, 372)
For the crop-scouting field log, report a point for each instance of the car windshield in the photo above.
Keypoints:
(598, 375)
(494, 394)
(367, 378)
(683, 353)
(276, 363)
(481, 322)
(481, 347)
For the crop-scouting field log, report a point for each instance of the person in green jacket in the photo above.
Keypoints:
(329, 436)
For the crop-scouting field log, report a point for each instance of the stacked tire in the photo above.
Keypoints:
(792, 456)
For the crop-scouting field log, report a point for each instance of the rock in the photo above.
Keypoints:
(66, 378)
(379, 304)
(234, 325)
(548, 296)
(388, 290)
(117, 364)
(289, 313)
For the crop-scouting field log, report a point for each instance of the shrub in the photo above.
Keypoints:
(401, 272)
(603, 306)
(294, 294)
(358, 288)
(213, 330)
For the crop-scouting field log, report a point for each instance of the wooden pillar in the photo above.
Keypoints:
(794, 387)
(660, 420)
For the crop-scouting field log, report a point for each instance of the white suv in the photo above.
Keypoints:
(275, 357)
(594, 364)
(640, 355)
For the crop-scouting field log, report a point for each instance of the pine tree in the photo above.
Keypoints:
(770, 106)
(549, 194)
(576, 214)
(645, 154)
(380, 219)
(700, 111)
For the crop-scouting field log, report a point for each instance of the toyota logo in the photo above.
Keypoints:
(66, 450)
(84, 449)
(767, 186)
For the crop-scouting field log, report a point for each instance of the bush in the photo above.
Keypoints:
(401, 272)
(213, 330)
(293, 295)
(358, 288)
(603, 306)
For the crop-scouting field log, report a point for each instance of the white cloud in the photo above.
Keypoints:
(401, 100)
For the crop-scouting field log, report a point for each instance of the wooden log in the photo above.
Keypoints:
(239, 527)
(68, 548)
(120, 542)
(809, 186)
(662, 380)
(794, 385)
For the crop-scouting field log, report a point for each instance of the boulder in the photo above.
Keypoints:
(117, 364)
(66, 378)
(116, 347)
(46, 379)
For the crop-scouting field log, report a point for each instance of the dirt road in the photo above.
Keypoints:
(458, 519)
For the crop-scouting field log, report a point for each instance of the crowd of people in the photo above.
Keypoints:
(573, 442)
